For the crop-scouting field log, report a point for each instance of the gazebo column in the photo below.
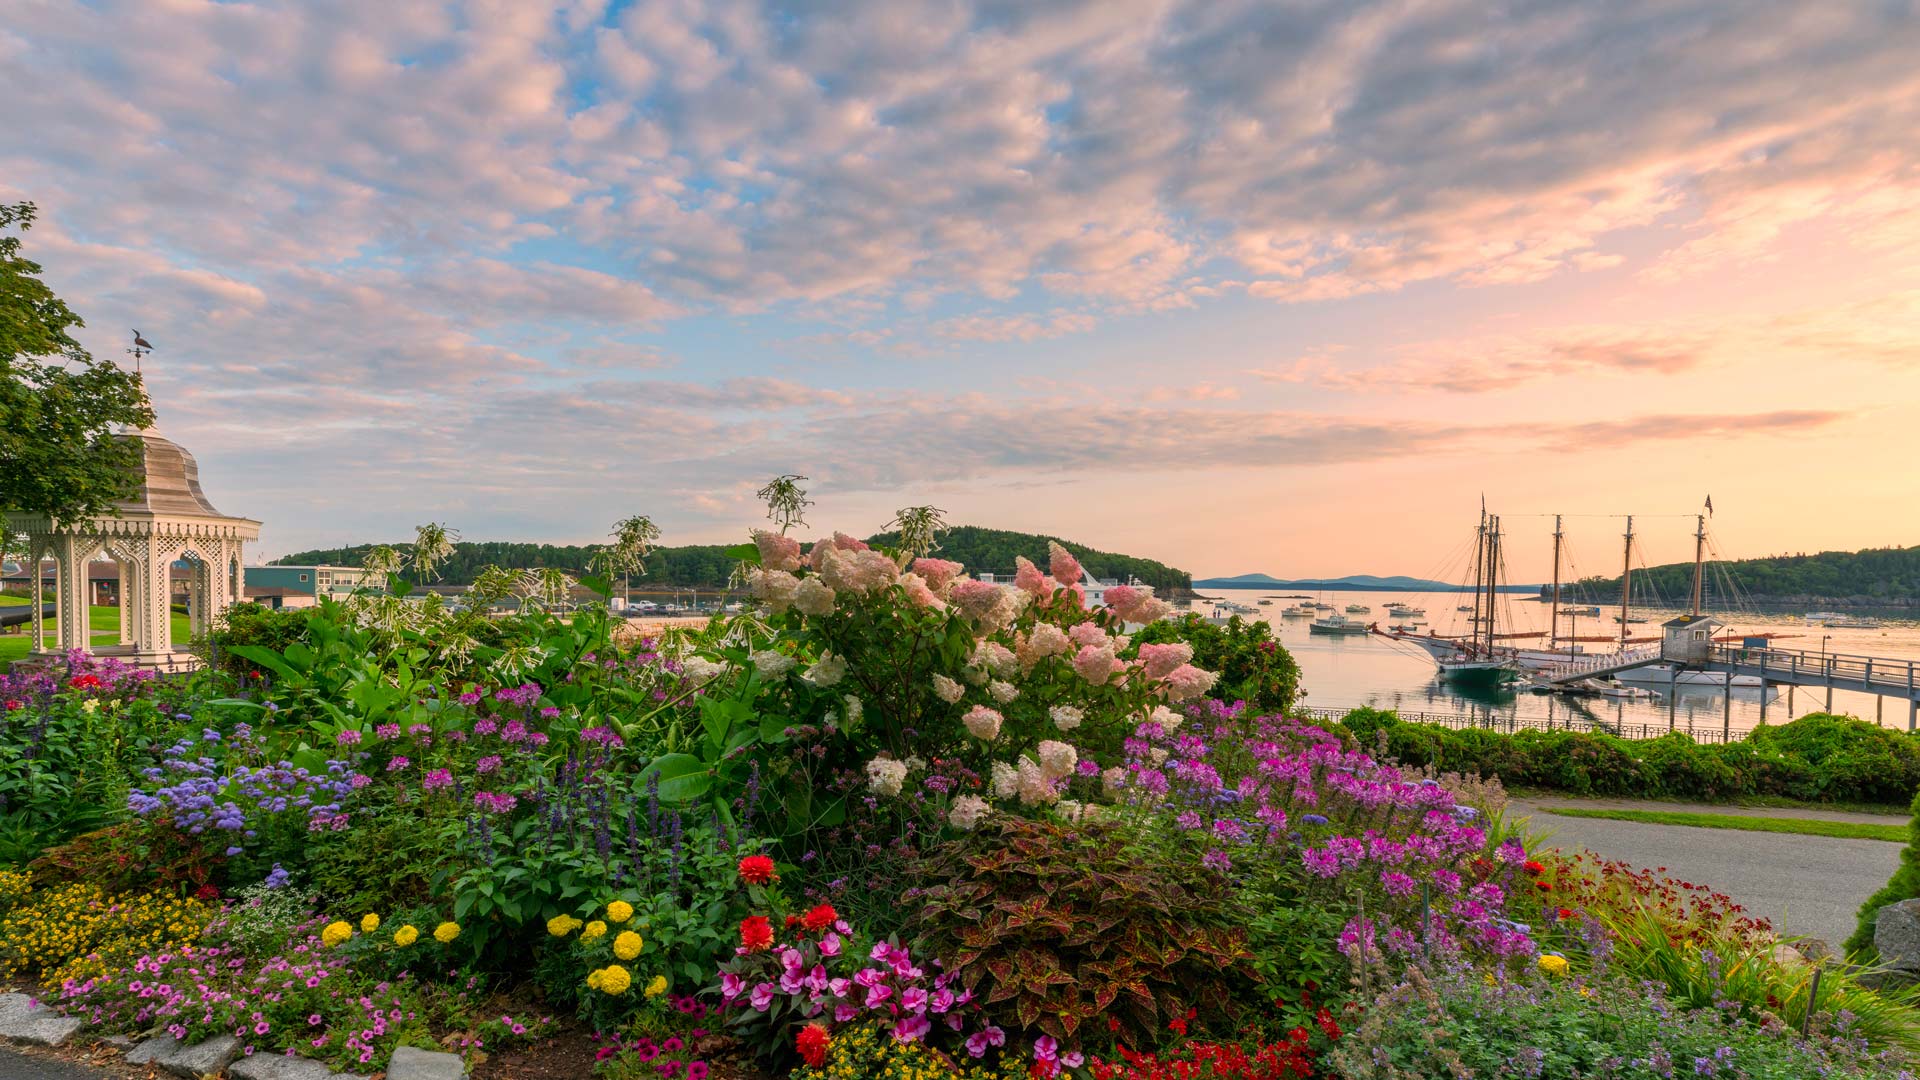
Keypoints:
(71, 616)
(125, 597)
(37, 551)
(156, 596)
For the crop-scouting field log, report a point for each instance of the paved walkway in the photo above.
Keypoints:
(1807, 885)
(15, 1065)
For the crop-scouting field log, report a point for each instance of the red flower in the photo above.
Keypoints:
(1532, 867)
(12, 705)
(757, 870)
(206, 892)
(792, 921)
(820, 918)
(756, 933)
(1543, 886)
(1565, 913)
(84, 682)
(812, 1043)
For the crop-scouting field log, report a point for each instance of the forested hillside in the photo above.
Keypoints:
(1877, 574)
(707, 566)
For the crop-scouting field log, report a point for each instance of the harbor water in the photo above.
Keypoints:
(1344, 672)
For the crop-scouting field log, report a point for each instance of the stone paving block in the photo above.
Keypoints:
(282, 1067)
(119, 1042)
(47, 1030)
(412, 1063)
(202, 1058)
(152, 1050)
(18, 1006)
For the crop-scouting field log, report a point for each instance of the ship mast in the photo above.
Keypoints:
(1479, 572)
(1493, 575)
(1626, 582)
(1553, 619)
(1699, 559)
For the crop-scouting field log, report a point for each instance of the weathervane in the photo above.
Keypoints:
(141, 347)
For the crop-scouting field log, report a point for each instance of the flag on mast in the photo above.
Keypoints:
(1709, 506)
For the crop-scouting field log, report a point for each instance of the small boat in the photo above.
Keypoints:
(1358, 609)
(1404, 628)
(1265, 603)
(1299, 611)
(1588, 612)
(1464, 607)
(1629, 619)
(1319, 606)
(1337, 625)
(1470, 671)
(1841, 621)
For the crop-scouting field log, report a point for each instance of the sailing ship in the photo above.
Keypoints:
(1480, 662)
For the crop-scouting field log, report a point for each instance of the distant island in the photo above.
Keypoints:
(706, 566)
(1351, 583)
(1875, 577)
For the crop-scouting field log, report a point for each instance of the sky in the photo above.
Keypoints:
(1242, 286)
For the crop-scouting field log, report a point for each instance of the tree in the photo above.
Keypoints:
(58, 405)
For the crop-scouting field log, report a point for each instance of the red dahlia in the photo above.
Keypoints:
(756, 933)
(812, 1043)
(1532, 867)
(820, 918)
(757, 870)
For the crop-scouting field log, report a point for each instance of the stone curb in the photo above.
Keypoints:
(22, 1020)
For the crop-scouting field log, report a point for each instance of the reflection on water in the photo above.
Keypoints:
(1343, 672)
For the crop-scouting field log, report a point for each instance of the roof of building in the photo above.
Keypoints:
(169, 480)
(1687, 620)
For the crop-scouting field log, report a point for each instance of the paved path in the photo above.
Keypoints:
(1807, 885)
(18, 1066)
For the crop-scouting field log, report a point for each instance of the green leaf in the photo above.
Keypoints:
(266, 658)
(398, 586)
(601, 585)
(683, 777)
(749, 553)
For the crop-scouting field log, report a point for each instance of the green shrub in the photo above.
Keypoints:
(1818, 757)
(1053, 926)
(1904, 885)
(1252, 664)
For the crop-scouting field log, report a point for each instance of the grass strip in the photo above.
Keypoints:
(1846, 830)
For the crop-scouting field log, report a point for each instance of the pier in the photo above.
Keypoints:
(1688, 646)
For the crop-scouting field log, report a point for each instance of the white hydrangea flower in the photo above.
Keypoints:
(983, 723)
(1113, 781)
(828, 671)
(1168, 720)
(885, 776)
(967, 812)
(1006, 780)
(1066, 717)
(1057, 759)
(1001, 691)
(947, 690)
(773, 665)
(813, 597)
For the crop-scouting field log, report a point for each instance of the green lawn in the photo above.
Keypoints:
(1849, 830)
(15, 641)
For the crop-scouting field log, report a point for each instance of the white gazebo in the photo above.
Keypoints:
(168, 521)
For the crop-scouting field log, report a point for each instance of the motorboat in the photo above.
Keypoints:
(1358, 609)
(1337, 625)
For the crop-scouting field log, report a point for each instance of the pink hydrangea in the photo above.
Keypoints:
(857, 571)
(777, 550)
(1046, 640)
(1086, 633)
(937, 573)
(983, 723)
(1095, 663)
(840, 542)
(1187, 681)
(920, 594)
(776, 587)
(1160, 660)
(973, 597)
(1028, 578)
(1062, 565)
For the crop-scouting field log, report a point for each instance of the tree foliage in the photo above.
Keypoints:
(58, 405)
(708, 566)
(1889, 574)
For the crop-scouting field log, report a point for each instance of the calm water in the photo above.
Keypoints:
(1343, 672)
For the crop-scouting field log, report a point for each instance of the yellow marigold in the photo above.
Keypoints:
(619, 911)
(657, 987)
(614, 980)
(594, 977)
(627, 945)
(562, 925)
(406, 935)
(594, 931)
(369, 923)
(336, 933)
(1553, 965)
(446, 932)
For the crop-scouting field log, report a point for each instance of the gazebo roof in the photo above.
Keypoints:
(169, 480)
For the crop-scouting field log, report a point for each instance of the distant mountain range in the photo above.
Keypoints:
(1394, 583)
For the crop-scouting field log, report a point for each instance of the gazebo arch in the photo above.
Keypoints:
(168, 519)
